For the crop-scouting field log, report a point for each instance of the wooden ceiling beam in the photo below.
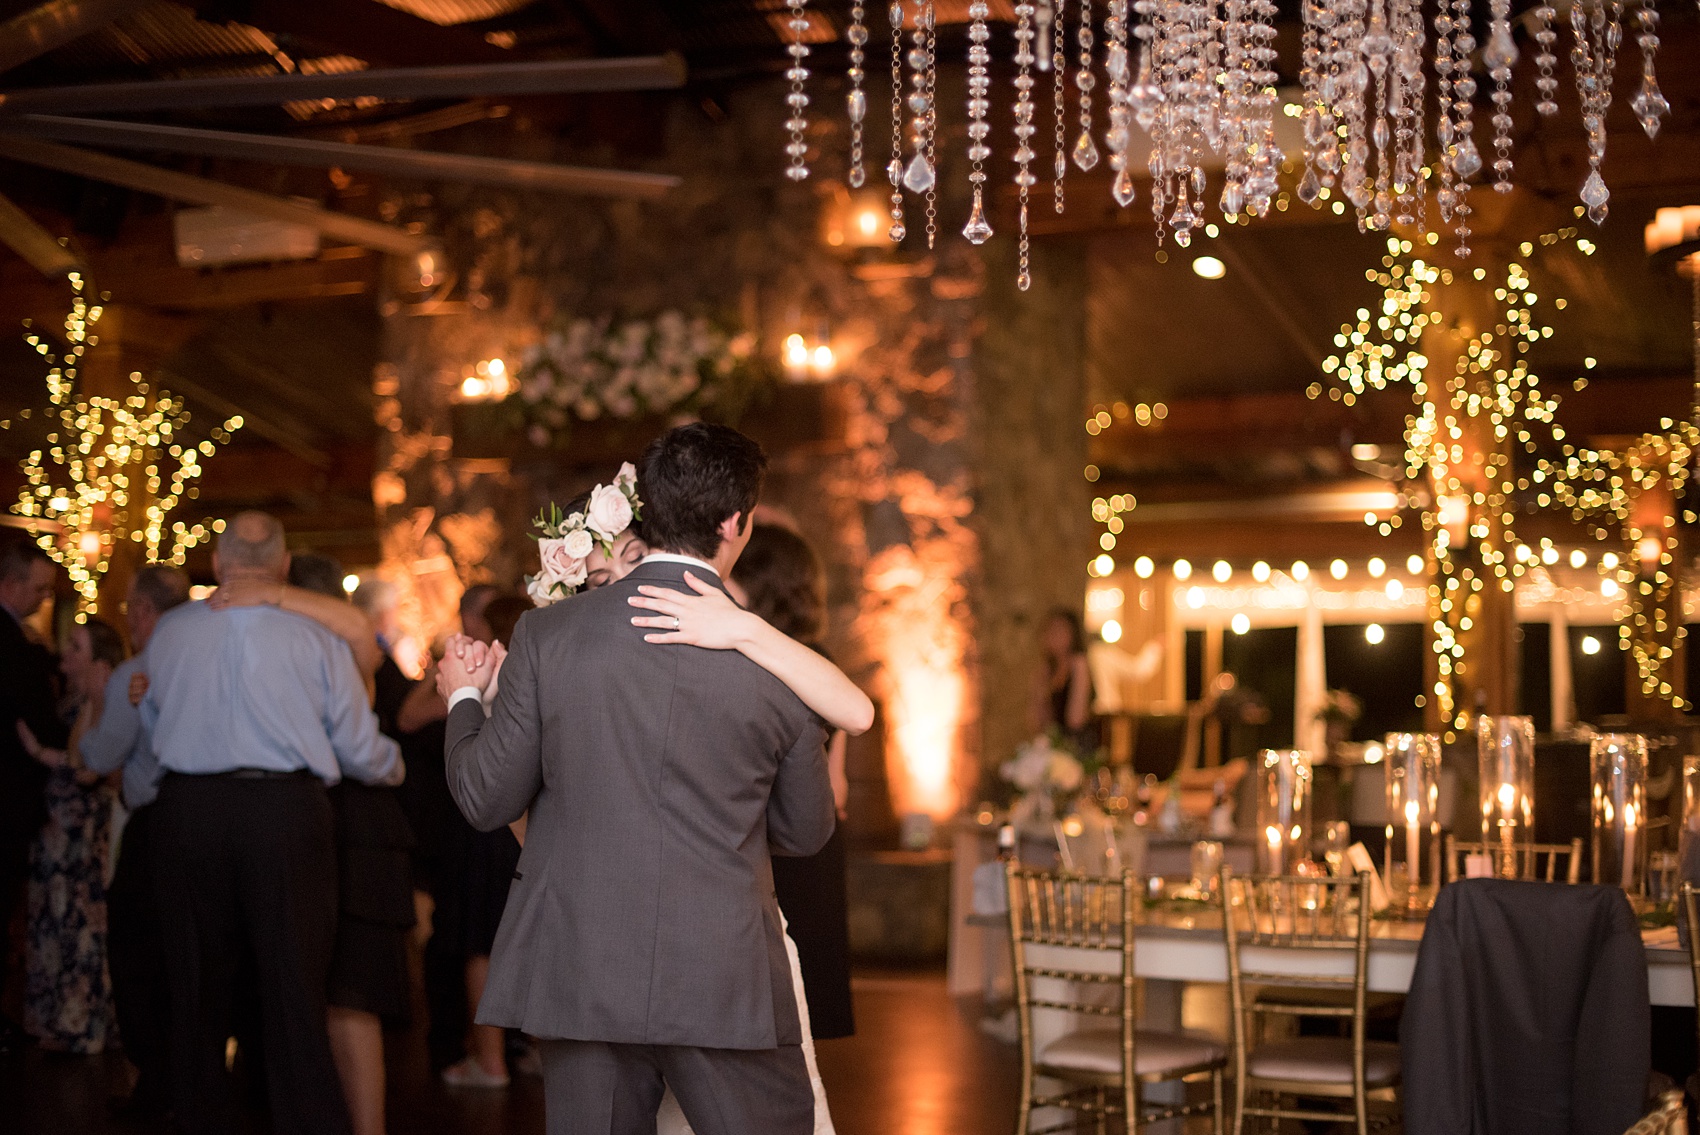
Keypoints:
(426, 165)
(202, 191)
(42, 250)
(540, 77)
(367, 30)
(32, 34)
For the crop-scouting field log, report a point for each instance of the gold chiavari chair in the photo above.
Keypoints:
(1303, 931)
(1688, 896)
(1561, 859)
(1670, 1118)
(1073, 942)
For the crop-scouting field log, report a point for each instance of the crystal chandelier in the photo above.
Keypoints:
(1198, 78)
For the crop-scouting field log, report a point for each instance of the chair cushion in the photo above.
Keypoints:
(1323, 1060)
(1155, 1053)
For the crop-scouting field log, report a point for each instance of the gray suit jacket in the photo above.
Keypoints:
(657, 778)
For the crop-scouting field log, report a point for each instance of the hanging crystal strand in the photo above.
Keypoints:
(797, 149)
(1059, 99)
(1352, 104)
(1499, 55)
(929, 22)
(1116, 138)
(979, 86)
(894, 170)
(1545, 82)
(918, 174)
(1444, 65)
(856, 101)
(1085, 150)
(1595, 57)
(1649, 102)
(1024, 128)
(1378, 54)
(1317, 119)
(1264, 181)
(1236, 85)
(1145, 98)
(1466, 160)
(1408, 83)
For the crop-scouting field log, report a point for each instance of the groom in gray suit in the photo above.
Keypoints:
(641, 943)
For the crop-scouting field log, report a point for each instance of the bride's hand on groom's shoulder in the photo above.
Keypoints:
(707, 618)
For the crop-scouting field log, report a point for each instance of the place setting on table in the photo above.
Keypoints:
(1462, 944)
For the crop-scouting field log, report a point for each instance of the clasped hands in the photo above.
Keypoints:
(468, 662)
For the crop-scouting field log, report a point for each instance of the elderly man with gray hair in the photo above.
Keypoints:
(255, 710)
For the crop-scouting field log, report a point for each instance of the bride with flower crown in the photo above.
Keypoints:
(592, 543)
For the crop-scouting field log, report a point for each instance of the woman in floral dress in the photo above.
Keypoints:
(67, 992)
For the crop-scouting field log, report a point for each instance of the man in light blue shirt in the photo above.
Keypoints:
(134, 945)
(255, 710)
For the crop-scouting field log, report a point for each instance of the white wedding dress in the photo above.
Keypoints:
(671, 1120)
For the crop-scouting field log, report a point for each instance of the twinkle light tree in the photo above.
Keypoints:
(108, 471)
(1461, 437)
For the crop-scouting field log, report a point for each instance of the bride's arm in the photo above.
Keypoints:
(709, 619)
(338, 616)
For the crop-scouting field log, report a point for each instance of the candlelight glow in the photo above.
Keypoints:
(1507, 798)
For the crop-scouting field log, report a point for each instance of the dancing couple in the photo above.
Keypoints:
(642, 944)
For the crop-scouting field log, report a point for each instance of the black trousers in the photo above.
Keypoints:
(135, 955)
(591, 1088)
(247, 866)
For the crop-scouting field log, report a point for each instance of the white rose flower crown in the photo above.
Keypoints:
(564, 542)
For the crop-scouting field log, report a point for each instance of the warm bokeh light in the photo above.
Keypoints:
(1590, 644)
(1208, 267)
(1240, 623)
(1300, 570)
(1260, 571)
(1144, 567)
(1221, 571)
(1337, 569)
(1578, 558)
(1374, 634)
(1112, 631)
(1414, 564)
(1377, 567)
(1183, 569)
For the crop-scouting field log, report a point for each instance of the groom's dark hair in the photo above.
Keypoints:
(691, 479)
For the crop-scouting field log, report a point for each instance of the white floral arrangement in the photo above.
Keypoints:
(594, 368)
(564, 542)
(1046, 776)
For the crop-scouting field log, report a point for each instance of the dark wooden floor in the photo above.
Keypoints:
(917, 1066)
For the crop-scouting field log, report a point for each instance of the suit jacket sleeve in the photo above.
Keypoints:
(800, 810)
(495, 766)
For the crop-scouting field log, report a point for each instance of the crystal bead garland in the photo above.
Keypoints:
(1545, 37)
(1499, 55)
(1460, 160)
(1248, 108)
(1116, 138)
(979, 86)
(1059, 98)
(1085, 150)
(797, 149)
(894, 169)
(927, 30)
(1024, 129)
(1597, 32)
(918, 175)
(1409, 85)
(1318, 78)
(1649, 102)
(1351, 101)
(856, 102)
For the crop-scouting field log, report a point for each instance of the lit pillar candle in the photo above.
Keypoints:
(1413, 837)
(1631, 820)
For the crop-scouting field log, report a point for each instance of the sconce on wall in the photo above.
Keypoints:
(809, 363)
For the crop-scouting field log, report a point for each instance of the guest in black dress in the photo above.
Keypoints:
(1062, 687)
(27, 694)
(779, 577)
(368, 988)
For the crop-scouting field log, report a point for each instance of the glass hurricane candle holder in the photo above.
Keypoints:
(1283, 810)
(1619, 765)
(1412, 860)
(1506, 747)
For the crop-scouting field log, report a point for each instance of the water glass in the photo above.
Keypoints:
(1206, 866)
